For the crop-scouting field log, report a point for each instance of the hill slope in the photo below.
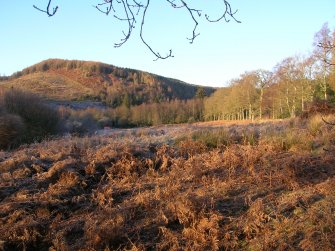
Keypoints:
(82, 80)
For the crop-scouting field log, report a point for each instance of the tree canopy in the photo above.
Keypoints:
(134, 11)
(287, 91)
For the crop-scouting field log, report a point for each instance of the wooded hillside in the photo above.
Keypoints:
(81, 80)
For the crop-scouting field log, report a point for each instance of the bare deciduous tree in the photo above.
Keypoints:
(328, 47)
(134, 11)
(323, 52)
(263, 81)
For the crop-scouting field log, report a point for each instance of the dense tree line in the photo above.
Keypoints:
(283, 92)
(170, 112)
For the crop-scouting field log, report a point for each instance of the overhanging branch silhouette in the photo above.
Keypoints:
(132, 11)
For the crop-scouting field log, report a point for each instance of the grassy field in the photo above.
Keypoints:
(211, 186)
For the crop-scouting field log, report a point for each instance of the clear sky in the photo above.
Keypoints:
(270, 31)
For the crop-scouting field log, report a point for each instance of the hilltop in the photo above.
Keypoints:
(58, 79)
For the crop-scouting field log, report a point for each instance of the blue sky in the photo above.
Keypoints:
(270, 31)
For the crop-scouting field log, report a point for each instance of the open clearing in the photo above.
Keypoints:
(260, 186)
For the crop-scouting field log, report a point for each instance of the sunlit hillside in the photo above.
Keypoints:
(52, 85)
(83, 80)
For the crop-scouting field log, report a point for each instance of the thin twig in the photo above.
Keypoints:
(47, 10)
(130, 11)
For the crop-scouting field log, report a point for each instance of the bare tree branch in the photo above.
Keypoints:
(228, 12)
(328, 47)
(130, 11)
(157, 54)
(194, 13)
(47, 9)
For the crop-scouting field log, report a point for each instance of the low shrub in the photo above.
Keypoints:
(250, 137)
(315, 124)
(224, 137)
(105, 122)
(11, 129)
(81, 124)
(40, 119)
(213, 138)
(318, 107)
(289, 140)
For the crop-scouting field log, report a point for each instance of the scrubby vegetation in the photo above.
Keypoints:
(261, 186)
(25, 118)
(11, 129)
